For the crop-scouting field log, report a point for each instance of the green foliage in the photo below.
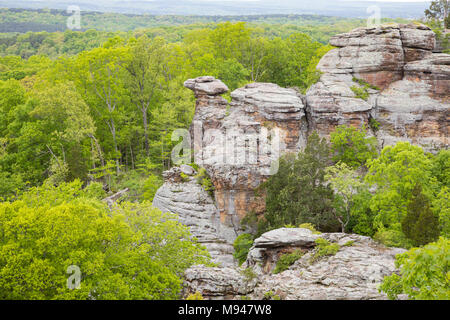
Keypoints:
(242, 245)
(134, 252)
(270, 295)
(420, 224)
(195, 296)
(365, 84)
(184, 177)
(440, 167)
(296, 194)
(345, 183)
(392, 237)
(249, 274)
(439, 10)
(152, 184)
(204, 180)
(286, 260)
(324, 248)
(360, 93)
(395, 173)
(374, 124)
(441, 206)
(352, 146)
(424, 273)
(361, 215)
(349, 243)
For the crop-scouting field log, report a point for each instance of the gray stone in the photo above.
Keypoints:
(353, 273)
(197, 210)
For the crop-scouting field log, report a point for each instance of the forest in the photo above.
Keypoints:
(85, 114)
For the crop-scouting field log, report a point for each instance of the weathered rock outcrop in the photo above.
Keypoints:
(218, 283)
(403, 86)
(353, 273)
(238, 143)
(196, 209)
(410, 85)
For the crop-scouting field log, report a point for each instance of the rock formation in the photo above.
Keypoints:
(389, 79)
(239, 142)
(409, 85)
(196, 209)
(406, 87)
(353, 273)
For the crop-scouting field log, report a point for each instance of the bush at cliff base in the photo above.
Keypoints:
(424, 273)
(130, 252)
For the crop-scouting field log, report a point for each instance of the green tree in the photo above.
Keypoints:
(297, 193)
(100, 76)
(352, 146)
(395, 174)
(242, 245)
(420, 224)
(439, 10)
(145, 72)
(346, 184)
(132, 252)
(424, 273)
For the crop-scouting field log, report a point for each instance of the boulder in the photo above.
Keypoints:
(353, 273)
(196, 209)
(217, 283)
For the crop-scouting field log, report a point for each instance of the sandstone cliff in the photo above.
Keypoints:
(405, 86)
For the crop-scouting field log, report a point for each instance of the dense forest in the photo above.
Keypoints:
(84, 114)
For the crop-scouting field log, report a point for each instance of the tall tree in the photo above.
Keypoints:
(420, 224)
(439, 10)
(297, 193)
(102, 78)
(145, 70)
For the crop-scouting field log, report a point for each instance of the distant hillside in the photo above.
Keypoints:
(52, 20)
(344, 8)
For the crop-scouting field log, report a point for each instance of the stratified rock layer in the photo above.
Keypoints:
(405, 84)
(410, 85)
(353, 273)
(238, 143)
(196, 209)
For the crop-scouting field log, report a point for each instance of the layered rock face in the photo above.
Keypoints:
(196, 209)
(390, 76)
(239, 142)
(410, 85)
(353, 273)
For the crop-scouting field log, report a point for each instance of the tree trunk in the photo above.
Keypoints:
(144, 118)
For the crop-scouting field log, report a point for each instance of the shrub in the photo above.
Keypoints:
(392, 238)
(349, 243)
(270, 295)
(249, 274)
(195, 296)
(424, 273)
(203, 179)
(324, 248)
(360, 93)
(151, 186)
(374, 124)
(242, 245)
(286, 260)
(132, 252)
(309, 226)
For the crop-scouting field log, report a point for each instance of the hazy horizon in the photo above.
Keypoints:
(342, 8)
